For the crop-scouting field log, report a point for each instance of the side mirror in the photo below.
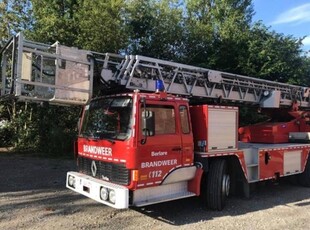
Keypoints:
(148, 125)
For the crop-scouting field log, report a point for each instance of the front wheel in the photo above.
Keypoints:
(218, 185)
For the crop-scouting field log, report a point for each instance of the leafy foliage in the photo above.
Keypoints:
(56, 129)
(217, 32)
(54, 21)
(155, 28)
(15, 16)
(101, 25)
(273, 56)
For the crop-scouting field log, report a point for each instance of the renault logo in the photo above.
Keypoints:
(93, 168)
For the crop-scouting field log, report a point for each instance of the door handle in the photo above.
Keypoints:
(176, 149)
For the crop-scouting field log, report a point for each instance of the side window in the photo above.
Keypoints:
(184, 119)
(164, 119)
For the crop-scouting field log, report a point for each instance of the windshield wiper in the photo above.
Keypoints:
(96, 135)
(103, 136)
(110, 140)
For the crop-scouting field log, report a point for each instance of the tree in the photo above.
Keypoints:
(15, 16)
(217, 32)
(101, 25)
(54, 20)
(305, 78)
(156, 28)
(273, 56)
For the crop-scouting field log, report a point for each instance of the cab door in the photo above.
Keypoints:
(186, 135)
(160, 149)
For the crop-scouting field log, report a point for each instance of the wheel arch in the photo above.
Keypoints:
(235, 169)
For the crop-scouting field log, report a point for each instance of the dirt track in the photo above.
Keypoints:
(33, 196)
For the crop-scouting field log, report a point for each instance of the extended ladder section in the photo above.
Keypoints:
(38, 72)
(64, 75)
(139, 72)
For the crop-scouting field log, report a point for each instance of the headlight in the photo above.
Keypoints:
(112, 196)
(71, 181)
(104, 193)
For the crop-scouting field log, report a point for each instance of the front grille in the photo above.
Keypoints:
(116, 173)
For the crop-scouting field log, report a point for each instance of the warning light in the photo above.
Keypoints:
(159, 86)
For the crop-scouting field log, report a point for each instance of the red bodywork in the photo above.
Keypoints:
(275, 165)
(275, 131)
(151, 162)
(205, 133)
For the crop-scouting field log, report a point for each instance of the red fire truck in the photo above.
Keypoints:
(162, 130)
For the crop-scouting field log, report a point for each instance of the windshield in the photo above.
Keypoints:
(108, 118)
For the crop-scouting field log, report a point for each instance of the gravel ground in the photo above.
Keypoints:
(33, 196)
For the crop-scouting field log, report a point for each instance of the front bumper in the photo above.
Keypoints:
(90, 187)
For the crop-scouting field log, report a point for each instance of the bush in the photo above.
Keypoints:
(6, 134)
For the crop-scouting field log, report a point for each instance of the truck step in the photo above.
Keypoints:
(163, 193)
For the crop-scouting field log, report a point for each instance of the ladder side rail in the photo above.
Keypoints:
(46, 85)
(148, 84)
(129, 72)
(130, 83)
(285, 91)
(57, 57)
(258, 82)
(288, 95)
(7, 67)
(121, 70)
(117, 61)
(37, 45)
(15, 48)
(113, 69)
(8, 53)
(3, 64)
(106, 58)
(179, 86)
(170, 63)
(129, 75)
(291, 92)
(288, 92)
(91, 78)
(174, 75)
(6, 76)
(172, 80)
(243, 90)
(222, 75)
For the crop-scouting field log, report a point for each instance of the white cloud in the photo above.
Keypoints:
(297, 15)
(306, 41)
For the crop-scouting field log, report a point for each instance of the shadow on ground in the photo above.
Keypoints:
(41, 182)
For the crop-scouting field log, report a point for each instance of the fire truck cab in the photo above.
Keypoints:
(137, 141)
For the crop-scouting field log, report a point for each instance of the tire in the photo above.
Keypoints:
(304, 178)
(218, 185)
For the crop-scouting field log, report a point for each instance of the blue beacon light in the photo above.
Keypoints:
(159, 86)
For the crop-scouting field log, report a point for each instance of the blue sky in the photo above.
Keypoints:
(290, 17)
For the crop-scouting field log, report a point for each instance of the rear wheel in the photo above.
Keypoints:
(218, 185)
(304, 178)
